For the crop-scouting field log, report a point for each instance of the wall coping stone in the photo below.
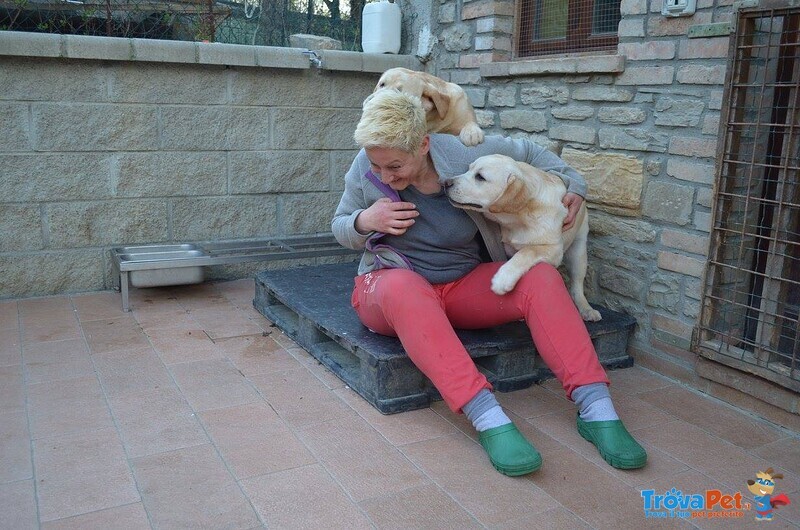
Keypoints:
(25, 44)
(557, 65)
(365, 62)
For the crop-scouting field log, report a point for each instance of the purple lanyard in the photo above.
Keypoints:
(371, 243)
(389, 192)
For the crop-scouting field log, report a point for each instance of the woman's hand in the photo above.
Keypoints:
(573, 203)
(386, 216)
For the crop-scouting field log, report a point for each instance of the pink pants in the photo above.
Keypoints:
(401, 303)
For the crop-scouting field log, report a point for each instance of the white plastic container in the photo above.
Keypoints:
(380, 27)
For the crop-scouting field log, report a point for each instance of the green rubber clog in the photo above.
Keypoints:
(509, 452)
(616, 445)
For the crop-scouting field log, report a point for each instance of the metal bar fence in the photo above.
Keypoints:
(254, 22)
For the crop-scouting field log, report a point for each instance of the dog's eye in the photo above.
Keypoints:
(381, 85)
(479, 177)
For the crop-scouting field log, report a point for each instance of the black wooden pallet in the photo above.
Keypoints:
(312, 306)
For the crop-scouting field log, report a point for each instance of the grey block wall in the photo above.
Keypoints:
(163, 142)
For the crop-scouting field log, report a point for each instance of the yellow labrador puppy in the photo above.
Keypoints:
(446, 104)
(526, 203)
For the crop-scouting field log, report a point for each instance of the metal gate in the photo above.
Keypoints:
(749, 317)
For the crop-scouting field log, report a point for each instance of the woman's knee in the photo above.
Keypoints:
(541, 275)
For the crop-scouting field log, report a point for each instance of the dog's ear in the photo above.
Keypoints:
(513, 198)
(440, 101)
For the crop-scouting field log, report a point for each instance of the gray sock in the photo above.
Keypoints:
(594, 402)
(485, 412)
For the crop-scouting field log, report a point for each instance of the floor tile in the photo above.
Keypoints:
(639, 414)
(12, 390)
(18, 506)
(554, 519)
(191, 488)
(15, 447)
(180, 345)
(303, 498)
(299, 397)
(10, 352)
(791, 513)
(225, 321)
(213, 384)
(635, 380)
(240, 292)
(155, 421)
(421, 507)
(157, 317)
(63, 329)
(713, 417)
(82, 473)
(131, 371)
(460, 467)
(253, 440)
(399, 429)
(98, 306)
(129, 517)
(38, 311)
(202, 296)
(159, 298)
(256, 354)
(712, 456)
(533, 401)
(9, 315)
(122, 333)
(360, 459)
(57, 408)
(784, 453)
(57, 360)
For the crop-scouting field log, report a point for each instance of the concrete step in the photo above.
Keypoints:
(312, 306)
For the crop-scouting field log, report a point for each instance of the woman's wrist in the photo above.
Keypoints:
(360, 225)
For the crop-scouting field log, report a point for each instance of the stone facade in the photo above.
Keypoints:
(642, 124)
(165, 142)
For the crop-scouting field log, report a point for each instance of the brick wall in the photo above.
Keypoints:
(641, 124)
(168, 142)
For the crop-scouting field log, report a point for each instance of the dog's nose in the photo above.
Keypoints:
(448, 183)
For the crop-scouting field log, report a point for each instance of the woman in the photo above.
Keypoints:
(427, 268)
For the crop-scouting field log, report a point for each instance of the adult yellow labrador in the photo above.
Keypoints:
(447, 106)
(526, 203)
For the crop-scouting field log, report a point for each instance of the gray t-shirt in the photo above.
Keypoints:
(450, 158)
(442, 244)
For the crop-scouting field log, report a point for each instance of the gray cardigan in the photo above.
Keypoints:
(450, 158)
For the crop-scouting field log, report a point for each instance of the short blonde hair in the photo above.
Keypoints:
(391, 119)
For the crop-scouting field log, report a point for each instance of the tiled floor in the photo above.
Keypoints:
(193, 412)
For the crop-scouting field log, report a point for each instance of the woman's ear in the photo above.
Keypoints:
(425, 147)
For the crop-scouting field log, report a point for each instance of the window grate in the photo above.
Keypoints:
(751, 297)
(567, 26)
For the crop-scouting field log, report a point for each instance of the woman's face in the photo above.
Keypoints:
(397, 168)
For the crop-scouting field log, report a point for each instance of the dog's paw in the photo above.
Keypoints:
(591, 315)
(471, 135)
(502, 284)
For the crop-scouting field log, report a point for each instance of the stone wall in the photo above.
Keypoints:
(642, 124)
(165, 142)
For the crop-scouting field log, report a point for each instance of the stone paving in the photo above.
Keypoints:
(192, 411)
